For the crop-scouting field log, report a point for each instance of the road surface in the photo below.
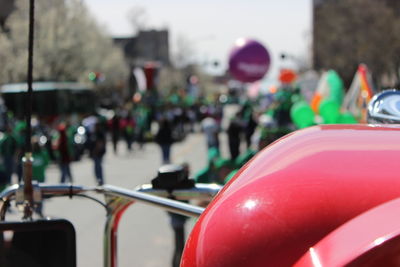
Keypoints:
(145, 238)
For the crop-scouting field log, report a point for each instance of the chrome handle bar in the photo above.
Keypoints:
(117, 201)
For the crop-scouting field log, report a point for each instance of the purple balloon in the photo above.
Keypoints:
(248, 61)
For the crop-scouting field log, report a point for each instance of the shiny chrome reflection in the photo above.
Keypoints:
(117, 201)
(384, 107)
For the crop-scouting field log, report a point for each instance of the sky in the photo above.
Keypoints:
(212, 26)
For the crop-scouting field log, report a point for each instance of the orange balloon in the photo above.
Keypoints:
(315, 102)
(287, 76)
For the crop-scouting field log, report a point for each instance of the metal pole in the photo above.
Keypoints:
(116, 208)
(166, 204)
(118, 200)
(27, 161)
(199, 192)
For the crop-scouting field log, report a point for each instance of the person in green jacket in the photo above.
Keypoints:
(3, 177)
(243, 158)
(40, 162)
(230, 176)
(39, 166)
(208, 174)
(8, 151)
(223, 167)
(19, 133)
(216, 169)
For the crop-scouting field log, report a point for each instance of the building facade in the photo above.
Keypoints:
(146, 46)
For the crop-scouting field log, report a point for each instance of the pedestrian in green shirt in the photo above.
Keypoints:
(39, 165)
(8, 151)
(40, 162)
(19, 133)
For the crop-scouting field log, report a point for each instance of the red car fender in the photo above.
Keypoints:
(293, 193)
(370, 239)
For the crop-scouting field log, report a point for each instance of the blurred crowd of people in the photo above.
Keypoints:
(255, 123)
(68, 139)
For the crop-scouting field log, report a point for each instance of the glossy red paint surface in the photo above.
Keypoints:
(370, 239)
(293, 193)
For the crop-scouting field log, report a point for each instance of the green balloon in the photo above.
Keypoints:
(347, 118)
(302, 115)
(335, 83)
(329, 111)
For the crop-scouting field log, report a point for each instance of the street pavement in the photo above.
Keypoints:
(145, 237)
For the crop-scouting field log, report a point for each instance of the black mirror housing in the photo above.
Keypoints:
(172, 176)
(43, 243)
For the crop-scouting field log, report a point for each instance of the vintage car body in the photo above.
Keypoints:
(370, 239)
(294, 193)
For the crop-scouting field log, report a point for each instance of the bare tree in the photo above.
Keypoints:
(138, 18)
(349, 32)
(68, 45)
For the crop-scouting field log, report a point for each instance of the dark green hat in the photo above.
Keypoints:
(245, 157)
(203, 176)
(221, 162)
(213, 153)
(230, 175)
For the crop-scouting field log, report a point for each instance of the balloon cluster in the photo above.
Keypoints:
(326, 103)
(249, 61)
(302, 115)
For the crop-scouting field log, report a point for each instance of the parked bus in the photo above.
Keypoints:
(50, 99)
